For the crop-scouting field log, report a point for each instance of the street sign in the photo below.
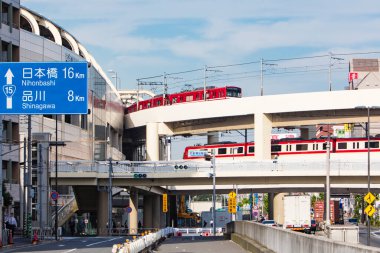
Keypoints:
(369, 198)
(54, 195)
(232, 194)
(370, 210)
(164, 203)
(43, 88)
(232, 205)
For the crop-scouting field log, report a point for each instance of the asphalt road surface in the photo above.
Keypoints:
(198, 244)
(69, 245)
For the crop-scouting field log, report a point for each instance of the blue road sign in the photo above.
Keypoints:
(43, 88)
(54, 195)
(128, 209)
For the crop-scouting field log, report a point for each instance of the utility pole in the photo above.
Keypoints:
(262, 63)
(29, 181)
(110, 225)
(331, 63)
(204, 82)
(213, 193)
(1, 177)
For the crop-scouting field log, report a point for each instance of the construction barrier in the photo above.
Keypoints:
(143, 242)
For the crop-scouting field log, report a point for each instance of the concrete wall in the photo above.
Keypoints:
(272, 239)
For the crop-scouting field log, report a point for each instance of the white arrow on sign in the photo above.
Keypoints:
(9, 75)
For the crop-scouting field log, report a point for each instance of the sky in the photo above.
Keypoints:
(295, 40)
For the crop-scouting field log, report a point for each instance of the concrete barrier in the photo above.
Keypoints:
(286, 241)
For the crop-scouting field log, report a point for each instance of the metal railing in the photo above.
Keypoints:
(311, 168)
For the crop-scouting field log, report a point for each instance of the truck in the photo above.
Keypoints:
(297, 212)
(335, 211)
(222, 217)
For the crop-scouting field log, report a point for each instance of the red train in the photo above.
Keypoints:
(285, 149)
(187, 96)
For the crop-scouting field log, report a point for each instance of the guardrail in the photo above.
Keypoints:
(146, 241)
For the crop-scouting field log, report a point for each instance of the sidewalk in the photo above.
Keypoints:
(19, 242)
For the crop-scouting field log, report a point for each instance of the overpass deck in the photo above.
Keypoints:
(178, 176)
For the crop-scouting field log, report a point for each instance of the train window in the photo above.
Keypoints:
(342, 145)
(324, 146)
(197, 97)
(251, 149)
(301, 147)
(222, 151)
(276, 148)
(189, 98)
(372, 144)
(148, 105)
(158, 103)
(174, 100)
(238, 150)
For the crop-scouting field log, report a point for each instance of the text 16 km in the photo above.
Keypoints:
(70, 73)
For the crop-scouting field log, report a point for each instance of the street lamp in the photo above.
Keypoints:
(368, 162)
(212, 158)
(115, 76)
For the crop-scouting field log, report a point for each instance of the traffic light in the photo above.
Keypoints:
(139, 175)
(180, 167)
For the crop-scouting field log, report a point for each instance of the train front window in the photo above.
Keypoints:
(276, 148)
(233, 92)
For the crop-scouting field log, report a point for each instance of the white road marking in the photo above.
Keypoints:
(103, 241)
(70, 250)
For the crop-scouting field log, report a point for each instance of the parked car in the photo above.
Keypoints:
(271, 223)
(353, 221)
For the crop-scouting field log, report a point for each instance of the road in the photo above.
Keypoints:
(198, 244)
(69, 245)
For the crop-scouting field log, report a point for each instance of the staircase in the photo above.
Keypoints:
(69, 207)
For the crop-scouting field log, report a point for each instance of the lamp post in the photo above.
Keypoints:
(368, 163)
(213, 193)
(115, 76)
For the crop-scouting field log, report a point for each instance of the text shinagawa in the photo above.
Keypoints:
(40, 107)
(38, 83)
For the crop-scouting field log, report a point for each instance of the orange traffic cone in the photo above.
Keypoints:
(10, 237)
(35, 238)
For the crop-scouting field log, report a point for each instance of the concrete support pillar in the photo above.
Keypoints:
(212, 137)
(152, 141)
(133, 216)
(270, 205)
(172, 219)
(305, 133)
(278, 208)
(157, 211)
(147, 211)
(102, 213)
(263, 129)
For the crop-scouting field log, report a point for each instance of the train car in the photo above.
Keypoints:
(288, 149)
(212, 93)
